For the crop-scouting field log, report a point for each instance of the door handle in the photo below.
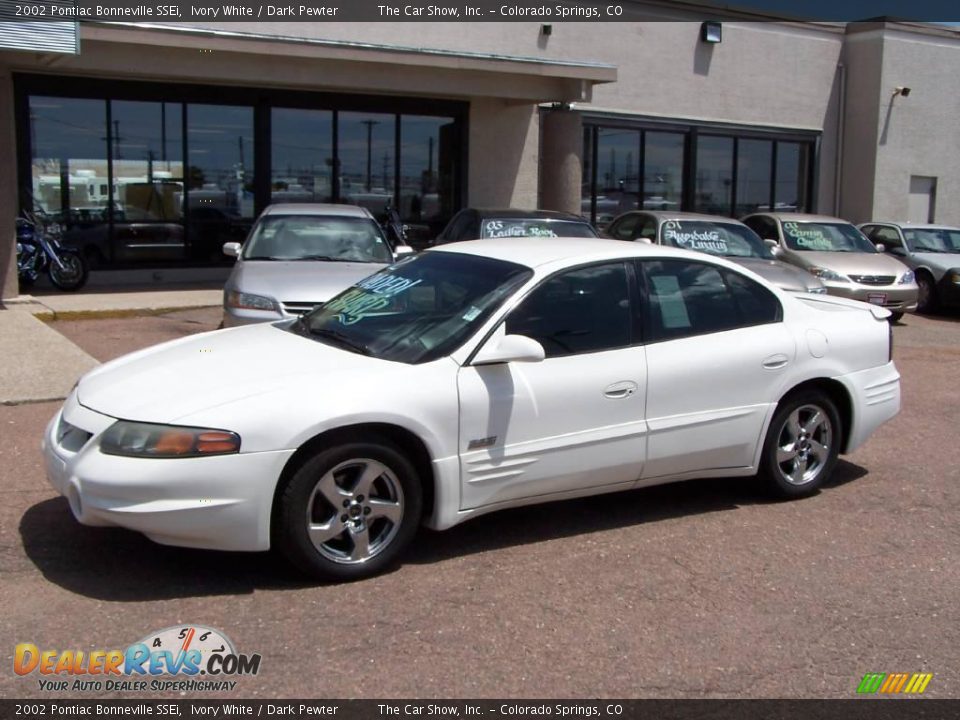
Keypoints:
(622, 389)
(775, 362)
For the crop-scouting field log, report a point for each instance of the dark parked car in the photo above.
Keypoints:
(478, 223)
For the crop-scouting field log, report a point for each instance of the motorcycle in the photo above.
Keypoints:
(39, 250)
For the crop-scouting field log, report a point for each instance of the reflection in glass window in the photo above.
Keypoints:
(790, 191)
(753, 175)
(366, 147)
(301, 154)
(220, 177)
(714, 185)
(69, 163)
(618, 173)
(427, 149)
(663, 171)
(586, 178)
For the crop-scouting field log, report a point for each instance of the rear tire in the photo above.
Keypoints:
(802, 445)
(349, 511)
(895, 317)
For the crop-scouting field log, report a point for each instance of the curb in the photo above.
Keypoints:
(50, 315)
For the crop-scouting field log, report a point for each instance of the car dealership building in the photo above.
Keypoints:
(153, 144)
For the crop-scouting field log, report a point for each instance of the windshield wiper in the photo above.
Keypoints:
(339, 338)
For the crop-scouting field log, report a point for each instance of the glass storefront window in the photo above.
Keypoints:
(586, 177)
(219, 178)
(301, 155)
(618, 173)
(427, 149)
(366, 148)
(790, 190)
(714, 184)
(69, 156)
(754, 158)
(663, 171)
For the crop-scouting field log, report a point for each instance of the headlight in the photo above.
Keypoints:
(827, 274)
(906, 279)
(955, 276)
(134, 439)
(249, 301)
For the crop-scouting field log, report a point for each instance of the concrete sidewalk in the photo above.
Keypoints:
(38, 364)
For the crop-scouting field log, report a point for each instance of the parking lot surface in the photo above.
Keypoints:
(699, 589)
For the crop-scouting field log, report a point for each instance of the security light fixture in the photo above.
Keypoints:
(901, 90)
(546, 30)
(711, 32)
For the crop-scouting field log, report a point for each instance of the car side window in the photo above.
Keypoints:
(765, 227)
(577, 311)
(623, 228)
(886, 235)
(690, 298)
(455, 228)
(649, 230)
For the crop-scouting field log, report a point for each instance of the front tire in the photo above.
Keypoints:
(802, 445)
(73, 275)
(927, 295)
(349, 511)
(895, 317)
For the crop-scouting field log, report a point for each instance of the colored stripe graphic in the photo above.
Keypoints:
(893, 683)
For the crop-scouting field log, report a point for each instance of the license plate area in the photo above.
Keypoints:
(877, 298)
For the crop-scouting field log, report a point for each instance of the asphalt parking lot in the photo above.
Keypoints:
(701, 589)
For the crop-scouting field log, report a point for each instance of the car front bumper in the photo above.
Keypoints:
(895, 298)
(220, 502)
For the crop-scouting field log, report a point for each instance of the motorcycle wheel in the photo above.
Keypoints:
(74, 274)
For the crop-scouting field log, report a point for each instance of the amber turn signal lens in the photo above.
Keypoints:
(215, 441)
(174, 442)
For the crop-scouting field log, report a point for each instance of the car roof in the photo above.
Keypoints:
(317, 209)
(677, 215)
(535, 252)
(909, 225)
(516, 214)
(803, 217)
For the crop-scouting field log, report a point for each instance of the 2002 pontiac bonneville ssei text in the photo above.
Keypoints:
(473, 377)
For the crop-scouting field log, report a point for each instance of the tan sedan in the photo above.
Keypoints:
(839, 254)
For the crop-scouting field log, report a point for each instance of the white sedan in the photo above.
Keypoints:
(473, 377)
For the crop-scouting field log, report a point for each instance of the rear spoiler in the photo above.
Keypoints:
(880, 313)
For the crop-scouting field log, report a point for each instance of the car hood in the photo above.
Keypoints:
(785, 277)
(168, 382)
(300, 281)
(858, 263)
(940, 261)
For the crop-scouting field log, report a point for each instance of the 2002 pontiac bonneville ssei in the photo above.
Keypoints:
(473, 377)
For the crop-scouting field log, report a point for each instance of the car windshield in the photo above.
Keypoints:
(941, 240)
(825, 237)
(534, 227)
(417, 310)
(724, 239)
(317, 237)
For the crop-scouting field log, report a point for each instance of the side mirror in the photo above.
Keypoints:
(231, 249)
(509, 348)
(771, 243)
(402, 251)
(880, 247)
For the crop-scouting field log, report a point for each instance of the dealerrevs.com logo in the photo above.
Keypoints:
(181, 658)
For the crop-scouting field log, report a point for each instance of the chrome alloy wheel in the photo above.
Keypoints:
(354, 511)
(804, 444)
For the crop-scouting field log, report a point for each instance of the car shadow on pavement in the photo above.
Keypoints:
(123, 566)
(581, 516)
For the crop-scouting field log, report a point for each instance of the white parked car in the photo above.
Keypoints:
(473, 377)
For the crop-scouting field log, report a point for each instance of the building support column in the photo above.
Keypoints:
(561, 167)
(9, 287)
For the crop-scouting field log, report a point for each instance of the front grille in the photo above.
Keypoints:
(298, 308)
(70, 437)
(874, 279)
